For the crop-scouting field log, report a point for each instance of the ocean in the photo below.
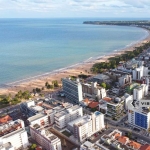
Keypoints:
(31, 47)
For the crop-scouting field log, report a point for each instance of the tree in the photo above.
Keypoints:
(103, 84)
(32, 147)
(38, 90)
(55, 83)
(46, 84)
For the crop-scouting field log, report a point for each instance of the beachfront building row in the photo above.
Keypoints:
(13, 135)
(85, 126)
(93, 91)
(72, 90)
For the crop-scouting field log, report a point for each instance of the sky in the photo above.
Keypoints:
(74, 8)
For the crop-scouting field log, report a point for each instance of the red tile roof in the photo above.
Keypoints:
(93, 104)
(108, 99)
(145, 147)
(5, 119)
(135, 145)
(123, 139)
(117, 135)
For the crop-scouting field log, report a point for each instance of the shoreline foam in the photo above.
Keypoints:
(75, 69)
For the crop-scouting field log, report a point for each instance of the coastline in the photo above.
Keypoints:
(76, 69)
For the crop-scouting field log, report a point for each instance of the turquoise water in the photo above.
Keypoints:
(30, 47)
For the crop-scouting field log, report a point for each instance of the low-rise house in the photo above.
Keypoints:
(120, 142)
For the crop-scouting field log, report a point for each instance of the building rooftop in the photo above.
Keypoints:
(123, 139)
(101, 77)
(35, 117)
(145, 147)
(45, 132)
(134, 145)
(5, 119)
(80, 121)
(93, 104)
(37, 108)
(67, 111)
(10, 127)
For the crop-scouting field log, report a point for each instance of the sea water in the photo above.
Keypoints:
(31, 47)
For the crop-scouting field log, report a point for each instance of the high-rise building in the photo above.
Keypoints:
(140, 91)
(139, 117)
(67, 115)
(85, 126)
(93, 91)
(72, 89)
(124, 80)
(139, 72)
(13, 135)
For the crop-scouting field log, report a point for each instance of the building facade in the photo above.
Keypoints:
(67, 115)
(93, 91)
(72, 90)
(139, 117)
(14, 133)
(85, 126)
(140, 91)
(139, 72)
(124, 80)
(45, 138)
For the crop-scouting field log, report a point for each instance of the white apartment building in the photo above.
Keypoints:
(67, 115)
(13, 135)
(126, 79)
(127, 97)
(139, 72)
(140, 91)
(45, 138)
(72, 90)
(93, 91)
(85, 126)
(51, 112)
(139, 117)
(41, 119)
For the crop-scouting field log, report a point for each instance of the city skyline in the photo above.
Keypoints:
(74, 8)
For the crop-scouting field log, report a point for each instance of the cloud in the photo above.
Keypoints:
(78, 7)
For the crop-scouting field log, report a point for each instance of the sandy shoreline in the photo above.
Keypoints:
(84, 67)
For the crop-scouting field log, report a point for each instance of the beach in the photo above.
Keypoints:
(74, 70)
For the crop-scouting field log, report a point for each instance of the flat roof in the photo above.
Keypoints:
(80, 121)
(35, 117)
(101, 77)
(66, 111)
